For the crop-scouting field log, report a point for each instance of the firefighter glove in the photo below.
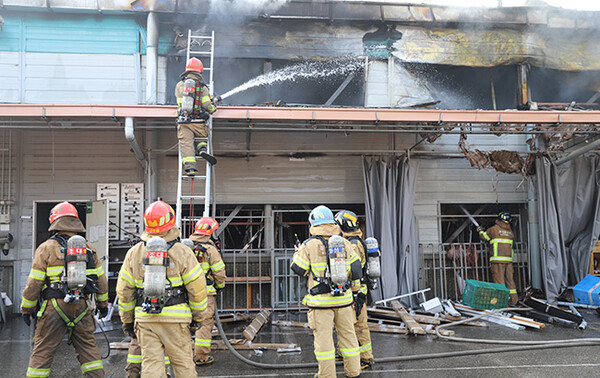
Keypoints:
(359, 302)
(479, 228)
(128, 330)
(27, 319)
(103, 311)
(194, 325)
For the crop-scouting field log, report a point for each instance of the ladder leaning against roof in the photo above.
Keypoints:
(201, 47)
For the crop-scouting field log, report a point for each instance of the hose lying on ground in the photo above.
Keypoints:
(523, 345)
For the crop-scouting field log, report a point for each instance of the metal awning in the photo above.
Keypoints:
(260, 118)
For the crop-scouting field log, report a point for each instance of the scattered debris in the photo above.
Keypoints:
(545, 307)
(253, 328)
(244, 344)
(411, 323)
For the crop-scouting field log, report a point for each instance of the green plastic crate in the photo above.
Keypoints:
(485, 295)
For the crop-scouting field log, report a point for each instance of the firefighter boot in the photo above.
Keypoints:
(202, 151)
(190, 168)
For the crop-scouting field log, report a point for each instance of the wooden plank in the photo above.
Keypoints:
(253, 328)
(385, 328)
(410, 322)
(243, 344)
(234, 317)
(287, 323)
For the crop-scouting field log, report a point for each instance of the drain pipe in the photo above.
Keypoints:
(152, 58)
(578, 152)
(135, 147)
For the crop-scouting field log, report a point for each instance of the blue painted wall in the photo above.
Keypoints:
(76, 33)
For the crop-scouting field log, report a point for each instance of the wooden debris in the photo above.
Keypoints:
(287, 323)
(410, 322)
(253, 328)
(234, 317)
(502, 318)
(385, 328)
(119, 345)
(244, 344)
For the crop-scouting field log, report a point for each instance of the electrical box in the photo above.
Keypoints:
(110, 192)
(132, 210)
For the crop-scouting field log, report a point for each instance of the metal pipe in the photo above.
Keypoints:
(578, 152)
(135, 147)
(152, 174)
(152, 58)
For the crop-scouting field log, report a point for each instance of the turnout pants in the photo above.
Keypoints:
(321, 321)
(364, 336)
(51, 330)
(204, 333)
(133, 369)
(502, 273)
(186, 133)
(174, 339)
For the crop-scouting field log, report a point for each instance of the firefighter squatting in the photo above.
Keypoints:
(167, 286)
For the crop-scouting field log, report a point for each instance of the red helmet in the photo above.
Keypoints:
(159, 217)
(194, 64)
(206, 226)
(63, 209)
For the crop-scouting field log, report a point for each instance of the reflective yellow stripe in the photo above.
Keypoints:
(127, 306)
(363, 289)
(27, 303)
(134, 358)
(512, 291)
(98, 271)
(210, 289)
(205, 99)
(181, 310)
(31, 372)
(321, 356)
(179, 101)
(218, 266)
(167, 361)
(220, 285)
(501, 258)
(102, 297)
(188, 159)
(498, 240)
(192, 275)
(54, 270)
(326, 300)
(37, 274)
(365, 347)
(176, 281)
(202, 342)
(126, 276)
(352, 259)
(485, 235)
(300, 262)
(349, 352)
(89, 366)
(199, 306)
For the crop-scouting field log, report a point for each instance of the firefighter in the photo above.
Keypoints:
(214, 270)
(162, 295)
(194, 106)
(333, 268)
(501, 238)
(63, 297)
(348, 222)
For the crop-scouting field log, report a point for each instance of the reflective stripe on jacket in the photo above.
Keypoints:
(501, 238)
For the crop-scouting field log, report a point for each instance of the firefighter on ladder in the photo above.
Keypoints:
(65, 273)
(194, 106)
(348, 222)
(162, 295)
(333, 269)
(501, 237)
(214, 270)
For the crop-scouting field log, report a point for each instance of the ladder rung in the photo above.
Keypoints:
(207, 69)
(201, 36)
(199, 52)
(193, 177)
(192, 197)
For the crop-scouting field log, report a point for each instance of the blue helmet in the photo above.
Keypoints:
(321, 215)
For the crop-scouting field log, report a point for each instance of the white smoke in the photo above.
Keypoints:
(243, 7)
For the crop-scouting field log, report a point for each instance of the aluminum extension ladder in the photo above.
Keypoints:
(203, 48)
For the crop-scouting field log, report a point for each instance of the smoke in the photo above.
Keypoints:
(243, 7)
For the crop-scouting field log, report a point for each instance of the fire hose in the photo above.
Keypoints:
(522, 346)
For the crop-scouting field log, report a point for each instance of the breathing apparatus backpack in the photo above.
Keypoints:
(74, 284)
(191, 104)
(336, 280)
(199, 250)
(157, 290)
(373, 265)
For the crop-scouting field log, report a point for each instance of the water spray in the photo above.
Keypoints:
(304, 70)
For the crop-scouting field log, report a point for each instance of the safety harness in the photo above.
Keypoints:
(173, 295)
(59, 289)
(324, 285)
